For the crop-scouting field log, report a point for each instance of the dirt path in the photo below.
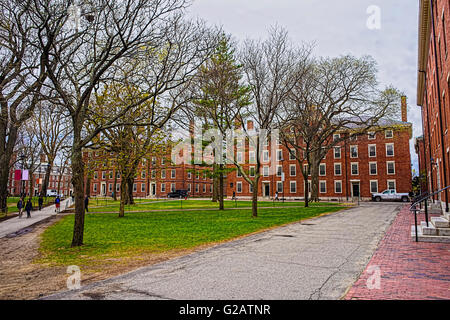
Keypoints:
(23, 279)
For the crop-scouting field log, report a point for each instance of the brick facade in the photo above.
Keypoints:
(156, 177)
(335, 183)
(434, 92)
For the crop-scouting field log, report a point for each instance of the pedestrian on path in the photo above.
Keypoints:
(86, 203)
(20, 207)
(28, 208)
(276, 196)
(57, 204)
(40, 202)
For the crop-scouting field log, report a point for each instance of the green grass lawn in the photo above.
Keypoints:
(113, 206)
(107, 236)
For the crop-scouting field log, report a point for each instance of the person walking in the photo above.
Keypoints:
(40, 202)
(20, 206)
(86, 203)
(28, 208)
(276, 196)
(57, 204)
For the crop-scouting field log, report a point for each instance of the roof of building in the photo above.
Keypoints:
(424, 40)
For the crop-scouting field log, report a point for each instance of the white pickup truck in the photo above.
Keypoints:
(390, 195)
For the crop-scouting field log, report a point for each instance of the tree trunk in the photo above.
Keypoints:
(78, 185)
(305, 178)
(315, 182)
(130, 199)
(115, 186)
(215, 195)
(4, 177)
(221, 195)
(47, 177)
(123, 196)
(5, 157)
(255, 198)
(88, 186)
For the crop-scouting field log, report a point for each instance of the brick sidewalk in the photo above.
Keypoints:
(409, 270)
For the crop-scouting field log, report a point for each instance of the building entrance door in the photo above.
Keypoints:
(356, 190)
(266, 189)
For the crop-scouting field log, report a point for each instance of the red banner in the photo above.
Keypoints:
(18, 175)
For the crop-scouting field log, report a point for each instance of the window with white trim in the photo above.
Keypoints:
(280, 186)
(293, 186)
(322, 170)
(373, 169)
(338, 186)
(355, 168)
(337, 169)
(389, 149)
(373, 186)
(353, 152)
(266, 171)
(372, 135)
(293, 170)
(239, 187)
(391, 167)
(337, 152)
(372, 151)
(323, 187)
(389, 134)
(391, 185)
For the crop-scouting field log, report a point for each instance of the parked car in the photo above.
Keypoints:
(54, 193)
(390, 195)
(178, 194)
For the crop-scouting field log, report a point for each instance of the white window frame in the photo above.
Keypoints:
(173, 173)
(371, 191)
(250, 171)
(280, 186)
(292, 154)
(292, 183)
(372, 135)
(395, 184)
(340, 152)
(387, 168)
(370, 169)
(238, 186)
(279, 154)
(335, 188)
(279, 171)
(340, 166)
(266, 171)
(386, 134)
(393, 149)
(357, 152)
(351, 168)
(321, 183)
(295, 170)
(265, 156)
(370, 146)
(163, 187)
(322, 165)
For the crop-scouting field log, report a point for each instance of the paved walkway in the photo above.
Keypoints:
(13, 225)
(317, 259)
(408, 270)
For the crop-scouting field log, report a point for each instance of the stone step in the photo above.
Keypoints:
(440, 222)
(428, 238)
(431, 230)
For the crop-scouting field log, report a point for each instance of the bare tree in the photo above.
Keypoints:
(29, 148)
(335, 95)
(22, 74)
(52, 129)
(271, 69)
(104, 38)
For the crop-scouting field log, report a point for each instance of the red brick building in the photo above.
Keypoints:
(433, 93)
(370, 163)
(156, 177)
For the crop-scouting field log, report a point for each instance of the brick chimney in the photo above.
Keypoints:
(404, 109)
(250, 125)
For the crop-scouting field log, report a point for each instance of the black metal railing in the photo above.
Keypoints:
(423, 199)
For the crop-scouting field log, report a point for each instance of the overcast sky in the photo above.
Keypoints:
(337, 27)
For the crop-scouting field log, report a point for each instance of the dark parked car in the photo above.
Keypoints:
(178, 194)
